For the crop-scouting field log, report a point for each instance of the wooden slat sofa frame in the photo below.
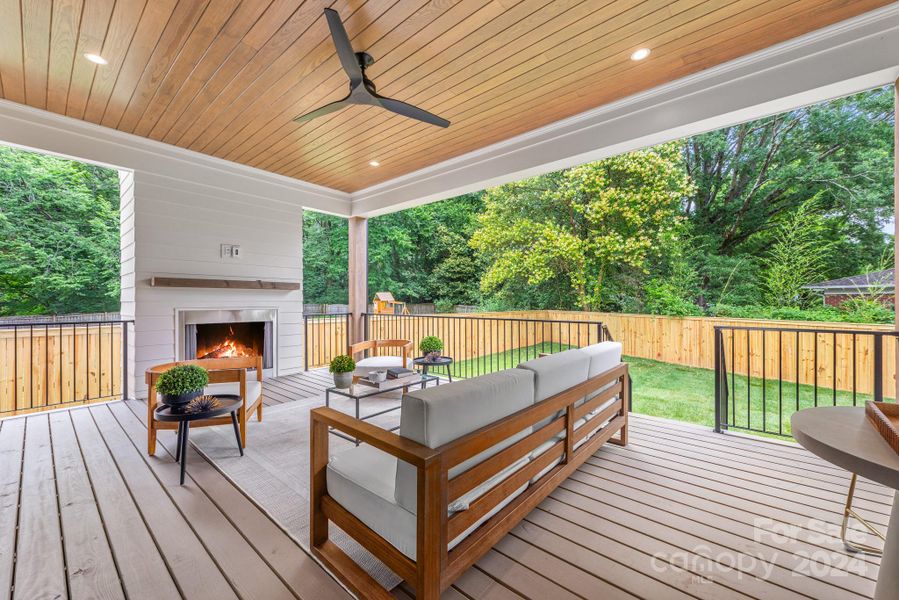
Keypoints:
(436, 568)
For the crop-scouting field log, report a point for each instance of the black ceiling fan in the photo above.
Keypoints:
(362, 89)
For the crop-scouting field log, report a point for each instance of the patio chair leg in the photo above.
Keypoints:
(243, 427)
(259, 411)
(151, 439)
(847, 513)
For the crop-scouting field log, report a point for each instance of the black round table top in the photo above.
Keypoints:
(229, 403)
(423, 360)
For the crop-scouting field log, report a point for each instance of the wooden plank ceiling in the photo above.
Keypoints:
(226, 77)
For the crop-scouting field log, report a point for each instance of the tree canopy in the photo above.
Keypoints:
(59, 235)
(731, 221)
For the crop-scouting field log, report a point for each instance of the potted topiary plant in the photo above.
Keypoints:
(342, 367)
(179, 385)
(431, 346)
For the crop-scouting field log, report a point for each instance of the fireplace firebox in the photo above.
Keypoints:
(227, 334)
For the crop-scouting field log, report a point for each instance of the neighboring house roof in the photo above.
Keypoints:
(875, 281)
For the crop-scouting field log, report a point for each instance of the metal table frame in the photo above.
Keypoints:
(356, 397)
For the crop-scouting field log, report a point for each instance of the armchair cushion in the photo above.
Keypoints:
(441, 414)
(375, 363)
(254, 390)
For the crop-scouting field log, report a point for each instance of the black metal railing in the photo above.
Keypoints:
(765, 374)
(325, 336)
(53, 364)
(482, 344)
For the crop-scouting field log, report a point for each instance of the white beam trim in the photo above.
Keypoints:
(43, 131)
(848, 57)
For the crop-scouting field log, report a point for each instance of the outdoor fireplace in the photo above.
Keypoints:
(227, 334)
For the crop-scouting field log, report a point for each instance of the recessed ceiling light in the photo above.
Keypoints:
(640, 54)
(96, 58)
(374, 163)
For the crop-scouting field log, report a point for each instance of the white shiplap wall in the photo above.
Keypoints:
(178, 207)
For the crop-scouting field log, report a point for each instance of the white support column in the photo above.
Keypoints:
(358, 275)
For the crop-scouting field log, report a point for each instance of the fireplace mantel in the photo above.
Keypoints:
(232, 284)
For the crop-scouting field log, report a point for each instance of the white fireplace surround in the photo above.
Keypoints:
(199, 316)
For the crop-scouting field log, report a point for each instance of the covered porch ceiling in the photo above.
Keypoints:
(529, 85)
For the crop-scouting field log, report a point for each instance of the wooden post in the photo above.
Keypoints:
(358, 276)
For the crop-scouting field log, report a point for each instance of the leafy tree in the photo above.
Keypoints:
(325, 258)
(59, 235)
(798, 255)
(580, 224)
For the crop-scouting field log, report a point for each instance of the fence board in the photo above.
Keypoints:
(43, 366)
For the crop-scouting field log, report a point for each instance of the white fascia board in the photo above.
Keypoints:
(845, 58)
(34, 129)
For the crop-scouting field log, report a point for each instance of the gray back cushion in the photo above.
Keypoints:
(603, 356)
(556, 373)
(441, 414)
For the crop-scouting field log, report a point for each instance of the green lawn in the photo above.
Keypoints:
(687, 393)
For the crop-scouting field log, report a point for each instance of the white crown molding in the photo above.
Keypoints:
(845, 58)
(40, 130)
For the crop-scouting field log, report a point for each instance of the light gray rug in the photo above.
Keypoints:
(274, 470)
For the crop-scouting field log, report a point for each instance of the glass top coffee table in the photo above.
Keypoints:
(360, 391)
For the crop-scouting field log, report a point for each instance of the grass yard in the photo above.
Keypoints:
(688, 393)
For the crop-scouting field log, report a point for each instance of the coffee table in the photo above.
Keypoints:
(360, 391)
(229, 403)
(843, 436)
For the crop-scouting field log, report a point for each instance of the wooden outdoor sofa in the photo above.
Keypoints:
(472, 459)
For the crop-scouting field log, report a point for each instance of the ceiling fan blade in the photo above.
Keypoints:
(324, 110)
(344, 48)
(413, 112)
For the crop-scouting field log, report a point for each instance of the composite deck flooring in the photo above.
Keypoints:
(679, 513)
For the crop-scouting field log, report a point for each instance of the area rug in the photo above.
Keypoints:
(274, 470)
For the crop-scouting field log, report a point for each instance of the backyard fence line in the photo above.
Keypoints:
(53, 364)
(690, 341)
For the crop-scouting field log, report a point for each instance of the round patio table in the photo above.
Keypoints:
(229, 403)
(842, 435)
(426, 363)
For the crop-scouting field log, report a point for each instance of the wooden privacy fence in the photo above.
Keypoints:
(54, 364)
(844, 360)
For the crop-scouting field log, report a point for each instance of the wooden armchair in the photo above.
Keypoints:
(226, 376)
(430, 547)
(377, 359)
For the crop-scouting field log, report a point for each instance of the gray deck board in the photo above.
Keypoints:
(108, 521)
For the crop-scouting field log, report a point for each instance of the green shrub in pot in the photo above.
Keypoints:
(179, 385)
(431, 346)
(342, 366)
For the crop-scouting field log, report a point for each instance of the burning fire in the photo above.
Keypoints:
(229, 348)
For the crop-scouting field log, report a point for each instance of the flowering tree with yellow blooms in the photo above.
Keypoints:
(580, 224)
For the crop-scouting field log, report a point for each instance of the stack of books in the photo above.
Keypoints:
(396, 377)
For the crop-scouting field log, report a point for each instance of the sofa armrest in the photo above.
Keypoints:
(418, 455)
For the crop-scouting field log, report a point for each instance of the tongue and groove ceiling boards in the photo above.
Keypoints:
(227, 77)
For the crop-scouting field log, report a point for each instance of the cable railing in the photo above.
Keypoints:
(765, 374)
(61, 363)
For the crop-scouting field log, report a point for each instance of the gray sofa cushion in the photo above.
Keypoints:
(441, 414)
(556, 373)
(361, 479)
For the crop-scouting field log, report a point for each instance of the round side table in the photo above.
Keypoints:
(443, 361)
(842, 435)
(229, 404)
